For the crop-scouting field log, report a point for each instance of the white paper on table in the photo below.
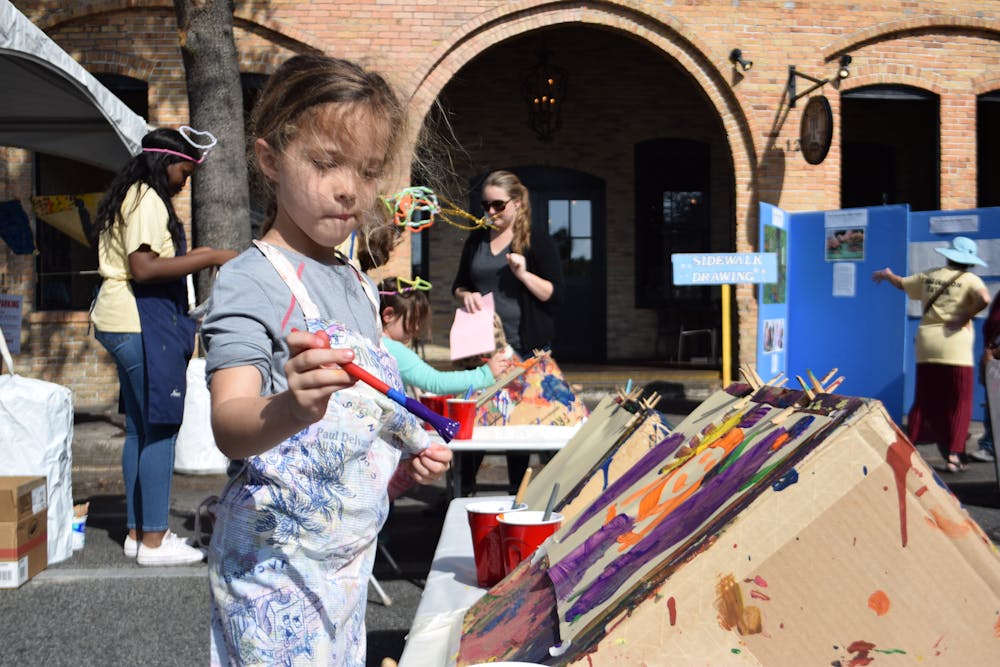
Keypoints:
(472, 333)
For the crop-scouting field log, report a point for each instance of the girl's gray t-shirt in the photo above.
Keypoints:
(252, 311)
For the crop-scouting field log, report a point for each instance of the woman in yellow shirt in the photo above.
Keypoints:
(140, 317)
(951, 296)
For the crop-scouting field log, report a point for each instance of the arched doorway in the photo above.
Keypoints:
(622, 92)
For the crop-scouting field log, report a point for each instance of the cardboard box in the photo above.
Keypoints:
(20, 497)
(23, 548)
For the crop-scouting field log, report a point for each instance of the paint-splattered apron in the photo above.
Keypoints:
(295, 533)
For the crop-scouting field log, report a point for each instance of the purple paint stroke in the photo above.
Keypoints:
(681, 523)
(570, 569)
(650, 460)
(753, 416)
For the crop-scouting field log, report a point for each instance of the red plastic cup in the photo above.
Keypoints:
(438, 404)
(464, 412)
(522, 532)
(486, 544)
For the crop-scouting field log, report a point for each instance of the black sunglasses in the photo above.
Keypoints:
(496, 205)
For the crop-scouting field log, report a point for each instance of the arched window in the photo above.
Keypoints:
(988, 149)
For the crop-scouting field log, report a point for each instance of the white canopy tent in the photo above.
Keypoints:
(53, 105)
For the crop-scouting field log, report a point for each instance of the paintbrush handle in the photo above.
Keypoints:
(522, 488)
(551, 503)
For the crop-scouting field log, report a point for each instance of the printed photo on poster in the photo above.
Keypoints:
(774, 335)
(845, 244)
(776, 241)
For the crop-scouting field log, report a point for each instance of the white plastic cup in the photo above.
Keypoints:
(79, 531)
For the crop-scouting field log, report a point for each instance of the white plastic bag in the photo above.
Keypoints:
(36, 438)
(195, 452)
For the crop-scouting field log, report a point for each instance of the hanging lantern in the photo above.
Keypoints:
(544, 90)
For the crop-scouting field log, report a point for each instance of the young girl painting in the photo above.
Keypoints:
(295, 533)
(405, 313)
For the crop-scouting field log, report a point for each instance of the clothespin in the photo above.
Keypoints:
(828, 376)
(773, 381)
(751, 377)
(833, 385)
(817, 387)
(809, 392)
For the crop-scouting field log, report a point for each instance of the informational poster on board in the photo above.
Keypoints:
(10, 320)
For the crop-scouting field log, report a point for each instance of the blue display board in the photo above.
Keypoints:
(833, 315)
(928, 229)
(772, 320)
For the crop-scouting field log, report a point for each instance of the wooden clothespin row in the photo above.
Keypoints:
(780, 383)
(816, 385)
(774, 381)
(805, 387)
(751, 377)
(650, 401)
(828, 376)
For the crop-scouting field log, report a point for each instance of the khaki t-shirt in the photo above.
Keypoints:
(936, 343)
(145, 223)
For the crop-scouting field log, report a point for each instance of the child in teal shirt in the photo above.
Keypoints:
(405, 315)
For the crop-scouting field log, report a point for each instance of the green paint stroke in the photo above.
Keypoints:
(736, 651)
(889, 650)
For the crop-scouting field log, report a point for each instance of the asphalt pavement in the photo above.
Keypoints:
(100, 608)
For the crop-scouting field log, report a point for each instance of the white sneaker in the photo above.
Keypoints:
(981, 455)
(172, 551)
(131, 547)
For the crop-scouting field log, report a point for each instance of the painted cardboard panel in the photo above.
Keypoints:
(540, 396)
(835, 554)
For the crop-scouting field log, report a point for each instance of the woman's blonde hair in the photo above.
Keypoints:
(515, 189)
(321, 94)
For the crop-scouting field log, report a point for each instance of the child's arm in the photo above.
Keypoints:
(418, 373)
(246, 423)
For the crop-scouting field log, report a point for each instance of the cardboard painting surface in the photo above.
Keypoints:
(580, 454)
(845, 549)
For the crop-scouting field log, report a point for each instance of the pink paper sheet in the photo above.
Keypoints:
(472, 333)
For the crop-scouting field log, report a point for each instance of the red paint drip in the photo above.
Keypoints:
(898, 457)
(672, 610)
(862, 648)
(757, 595)
(921, 491)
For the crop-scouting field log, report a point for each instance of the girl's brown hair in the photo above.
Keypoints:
(413, 305)
(321, 94)
(515, 189)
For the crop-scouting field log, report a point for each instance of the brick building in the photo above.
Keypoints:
(665, 144)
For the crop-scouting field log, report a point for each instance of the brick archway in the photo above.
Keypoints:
(661, 33)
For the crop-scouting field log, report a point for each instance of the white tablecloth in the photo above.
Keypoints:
(449, 592)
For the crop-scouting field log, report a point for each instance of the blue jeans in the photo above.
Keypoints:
(148, 454)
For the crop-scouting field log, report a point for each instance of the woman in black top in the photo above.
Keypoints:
(521, 268)
(519, 265)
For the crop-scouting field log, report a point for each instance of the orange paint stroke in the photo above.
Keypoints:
(996, 628)
(652, 503)
(953, 529)
(879, 603)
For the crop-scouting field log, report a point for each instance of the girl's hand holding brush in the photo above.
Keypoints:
(314, 373)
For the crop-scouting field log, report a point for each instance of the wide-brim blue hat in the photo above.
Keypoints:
(963, 251)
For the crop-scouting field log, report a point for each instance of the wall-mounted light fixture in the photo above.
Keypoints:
(845, 63)
(738, 61)
(843, 72)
